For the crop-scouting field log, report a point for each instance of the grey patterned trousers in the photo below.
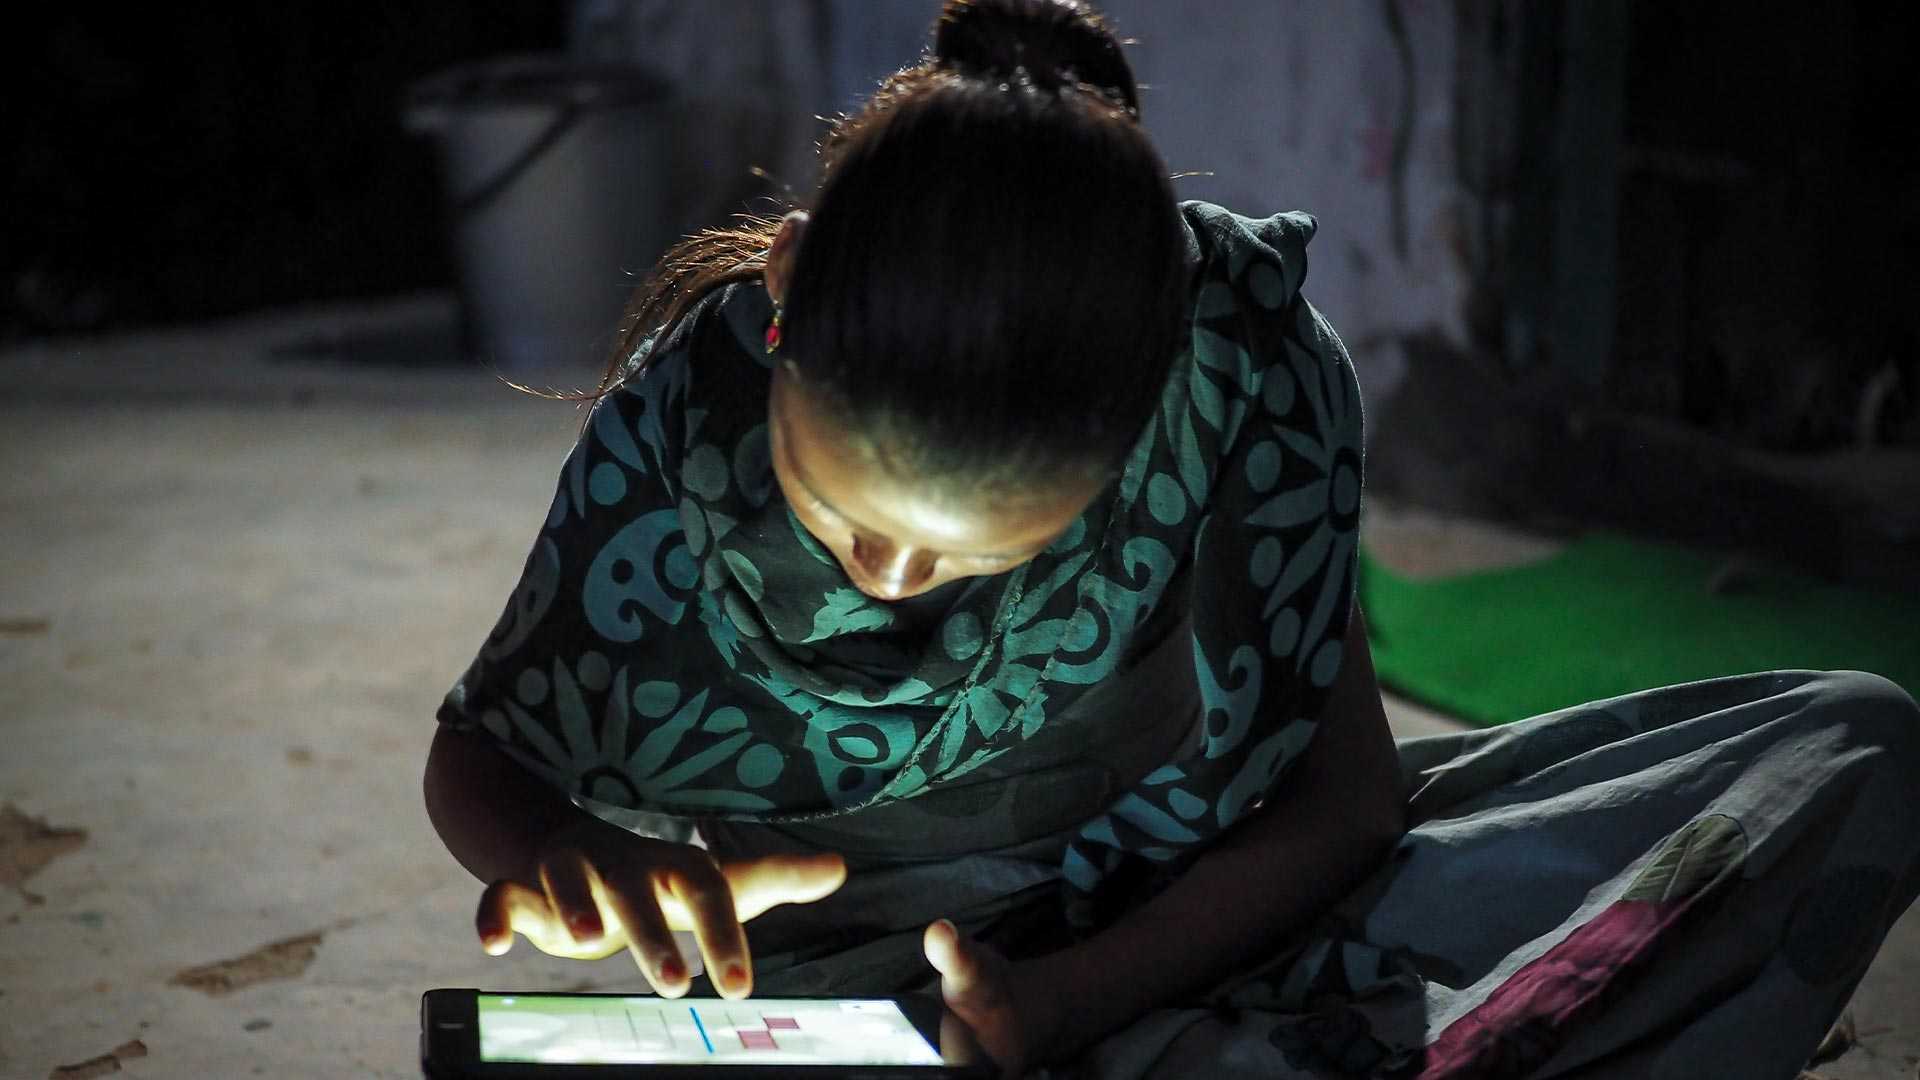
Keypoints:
(1684, 882)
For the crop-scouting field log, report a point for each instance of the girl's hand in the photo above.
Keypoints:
(595, 889)
(1014, 1020)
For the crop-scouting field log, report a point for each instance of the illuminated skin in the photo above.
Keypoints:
(894, 538)
(895, 541)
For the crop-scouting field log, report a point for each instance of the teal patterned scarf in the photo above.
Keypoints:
(678, 642)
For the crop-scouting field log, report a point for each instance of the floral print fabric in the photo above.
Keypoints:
(678, 643)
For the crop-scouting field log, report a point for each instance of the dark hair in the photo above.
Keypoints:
(990, 289)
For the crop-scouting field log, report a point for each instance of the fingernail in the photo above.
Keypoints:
(736, 976)
(672, 970)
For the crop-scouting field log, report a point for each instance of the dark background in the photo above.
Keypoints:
(179, 162)
(1755, 386)
(172, 162)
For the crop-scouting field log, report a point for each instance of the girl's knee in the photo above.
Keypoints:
(1874, 709)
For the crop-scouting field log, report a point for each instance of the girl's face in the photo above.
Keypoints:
(893, 538)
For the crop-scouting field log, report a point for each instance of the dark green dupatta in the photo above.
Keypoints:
(678, 643)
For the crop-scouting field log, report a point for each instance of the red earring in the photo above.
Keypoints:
(773, 332)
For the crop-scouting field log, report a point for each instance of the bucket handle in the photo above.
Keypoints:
(476, 200)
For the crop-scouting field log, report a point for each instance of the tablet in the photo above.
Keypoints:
(496, 1035)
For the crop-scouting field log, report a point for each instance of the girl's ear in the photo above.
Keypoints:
(780, 257)
(792, 227)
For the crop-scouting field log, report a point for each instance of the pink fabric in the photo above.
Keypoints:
(1522, 1022)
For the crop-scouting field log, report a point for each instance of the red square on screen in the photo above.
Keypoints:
(781, 1023)
(757, 1040)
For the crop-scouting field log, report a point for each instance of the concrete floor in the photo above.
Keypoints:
(234, 591)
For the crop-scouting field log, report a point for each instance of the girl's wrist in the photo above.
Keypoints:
(1071, 998)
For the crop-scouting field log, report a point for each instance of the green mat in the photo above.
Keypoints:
(1610, 615)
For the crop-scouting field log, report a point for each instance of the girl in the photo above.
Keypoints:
(953, 581)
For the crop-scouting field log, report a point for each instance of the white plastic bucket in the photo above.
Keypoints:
(558, 180)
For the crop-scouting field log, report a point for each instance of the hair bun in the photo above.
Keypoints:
(1056, 42)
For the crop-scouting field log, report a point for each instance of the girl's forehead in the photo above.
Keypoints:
(848, 477)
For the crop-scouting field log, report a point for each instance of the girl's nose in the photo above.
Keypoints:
(890, 570)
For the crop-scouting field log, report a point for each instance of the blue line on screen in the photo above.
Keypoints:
(702, 1027)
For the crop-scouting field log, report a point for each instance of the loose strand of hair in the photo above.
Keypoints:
(689, 270)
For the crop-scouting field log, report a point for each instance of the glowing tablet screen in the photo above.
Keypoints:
(563, 1030)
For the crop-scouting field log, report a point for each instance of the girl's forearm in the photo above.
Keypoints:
(1234, 905)
(492, 814)
(1340, 812)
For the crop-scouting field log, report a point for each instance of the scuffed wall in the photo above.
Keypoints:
(1342, 110)
(748, 77)
(1345, 110)
(1350, 111)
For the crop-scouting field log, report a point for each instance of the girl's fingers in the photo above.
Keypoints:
(570, 896)
(708, 901)
(648, 939)
(965, 978)
(490, 919)
(581, 910)
(958, 975)
(508, 908)
(759, 884)
(977, 984)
